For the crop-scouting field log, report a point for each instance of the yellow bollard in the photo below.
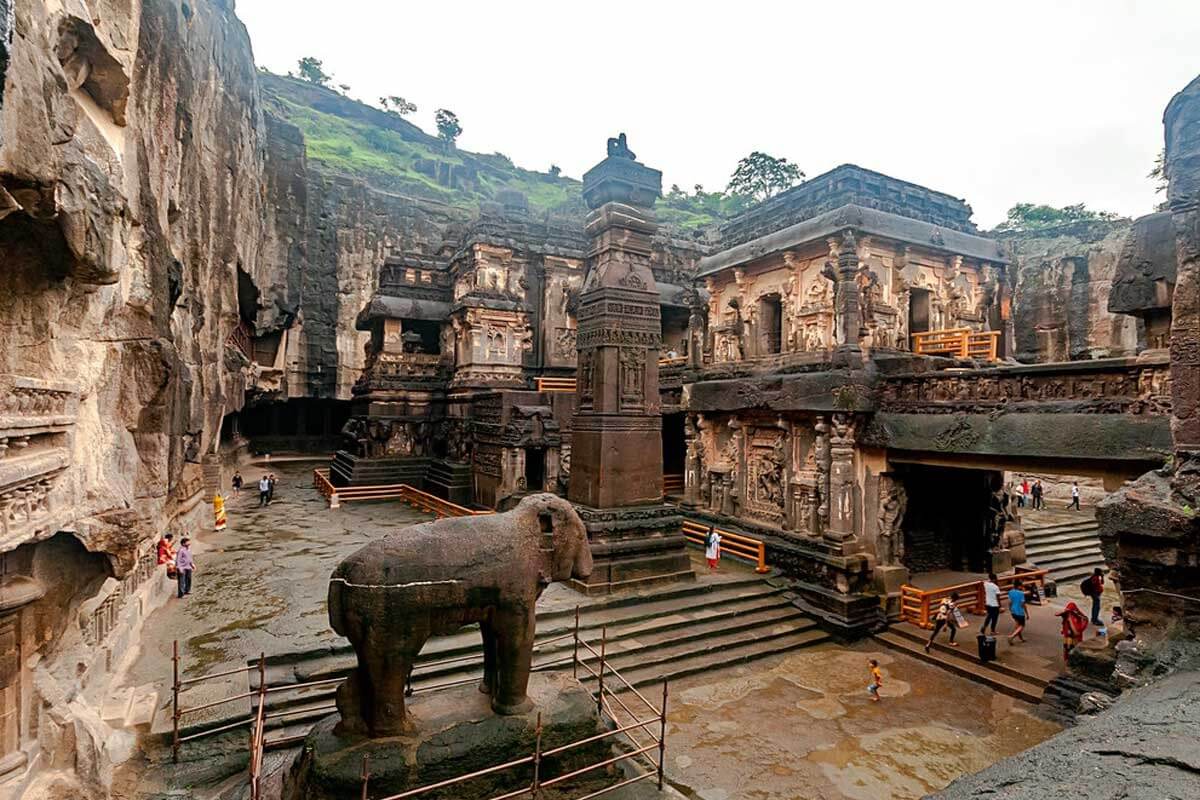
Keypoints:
(219, 512)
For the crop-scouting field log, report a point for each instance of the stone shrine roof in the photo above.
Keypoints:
(863, 220)
(384, 307)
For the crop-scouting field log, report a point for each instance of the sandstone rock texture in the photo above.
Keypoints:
(1142, 748)
(1062, 278)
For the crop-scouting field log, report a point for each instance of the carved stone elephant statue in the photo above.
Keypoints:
(430, 579)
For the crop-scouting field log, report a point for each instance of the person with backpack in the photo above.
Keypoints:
(1074, 623)
(947, 616)
(712, 548)
(1093, 586)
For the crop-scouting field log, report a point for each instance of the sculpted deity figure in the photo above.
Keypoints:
(893, 502)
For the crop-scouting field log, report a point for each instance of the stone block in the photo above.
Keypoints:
(455, 732)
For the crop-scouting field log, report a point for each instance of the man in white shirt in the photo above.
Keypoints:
(1074, 496)
(264, 490)
(991, 603)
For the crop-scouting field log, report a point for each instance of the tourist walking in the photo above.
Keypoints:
(1017, 607)
(271, 480)
(1038, 494)
(184, 566)
(1074, 496)
(876, 680)
(1021, 491)
(946, 617)
(236, 483)
(1074, 623)
(1093, 587)
(991, 603)
(264, 490)
(712, 548)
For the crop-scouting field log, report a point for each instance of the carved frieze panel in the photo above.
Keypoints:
(765, 475)
(632, 378)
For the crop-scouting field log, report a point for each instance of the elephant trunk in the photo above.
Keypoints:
(583, 560)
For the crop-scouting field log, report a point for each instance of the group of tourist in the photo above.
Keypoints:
(1074, 622)
(266, 487)
(178, 561)
(1037, 495)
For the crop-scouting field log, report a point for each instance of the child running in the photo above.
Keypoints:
(876, 680)
(1016, 607)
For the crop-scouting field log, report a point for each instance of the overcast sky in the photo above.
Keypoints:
(997, 102)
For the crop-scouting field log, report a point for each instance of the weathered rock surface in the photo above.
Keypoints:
(1061, 283)
(1143, 748)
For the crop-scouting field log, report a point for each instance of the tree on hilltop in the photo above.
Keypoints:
(1033, 216)
(312, 70)
(759, 176)
(397, 106)
(448, 127)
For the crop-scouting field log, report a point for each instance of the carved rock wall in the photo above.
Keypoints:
(1061, 282)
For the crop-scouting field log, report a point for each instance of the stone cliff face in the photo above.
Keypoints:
(1061, 283)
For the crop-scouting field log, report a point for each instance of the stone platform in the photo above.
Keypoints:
(456, 733)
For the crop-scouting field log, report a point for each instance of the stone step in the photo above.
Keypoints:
(1092, 535)
(706, 659)
(1026, 690)
(1065, 527)
(1054, 550)
(646, 636)
(1064, 564)
(116, 706)
(965, 652)
(142, 706)
(303, 667)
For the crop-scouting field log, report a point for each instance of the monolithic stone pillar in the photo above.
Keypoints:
(616, 448)
(691, 465)
(847, 311)
(840, 531)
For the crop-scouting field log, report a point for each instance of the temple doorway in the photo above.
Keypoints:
(535, 469)
(918, 311)
(301, 425)
(770, 315)
(946, 525)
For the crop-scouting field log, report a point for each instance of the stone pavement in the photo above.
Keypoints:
(802, 726)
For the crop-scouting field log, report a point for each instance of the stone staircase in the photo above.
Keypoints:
(670, 633)
(1068, 547)
(963, 661)
(449, 480)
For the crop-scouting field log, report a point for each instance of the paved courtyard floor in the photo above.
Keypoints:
(796, 725)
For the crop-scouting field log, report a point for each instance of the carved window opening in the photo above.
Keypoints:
(770, 320)
(422, 336)
(535, 479)
(918, 311)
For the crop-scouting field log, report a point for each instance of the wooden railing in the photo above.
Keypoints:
(958, 342)
(919, 606)
(556, 384)
(416, 498)
(673, 483)
(733, 544)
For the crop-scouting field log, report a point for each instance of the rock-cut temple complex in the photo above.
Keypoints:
(849, 379)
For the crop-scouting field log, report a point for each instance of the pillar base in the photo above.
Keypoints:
(634, 547)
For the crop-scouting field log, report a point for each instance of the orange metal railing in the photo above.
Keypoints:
(402, 491)
(672, 483)
(919, 606)
(556, 384)
(733, 544)
(958, 343)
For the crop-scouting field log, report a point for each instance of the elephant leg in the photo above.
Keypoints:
(514, 656)
(353, 704)
(489, 657)
(389, 674)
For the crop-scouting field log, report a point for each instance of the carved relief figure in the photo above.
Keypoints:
(893, 502)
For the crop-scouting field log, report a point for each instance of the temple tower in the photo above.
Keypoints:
(616, 447)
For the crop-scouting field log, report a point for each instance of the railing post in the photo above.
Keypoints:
(537, 760)
(762, 559)
(175, 701)
(662, 736)
(600, 694)
(366, 776)
(575, 649)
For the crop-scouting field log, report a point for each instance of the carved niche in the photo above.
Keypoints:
(765, 479)
(632, 378)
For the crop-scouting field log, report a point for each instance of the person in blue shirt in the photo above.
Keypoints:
(1017, 607)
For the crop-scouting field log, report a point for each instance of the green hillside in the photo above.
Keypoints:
(390, 153)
